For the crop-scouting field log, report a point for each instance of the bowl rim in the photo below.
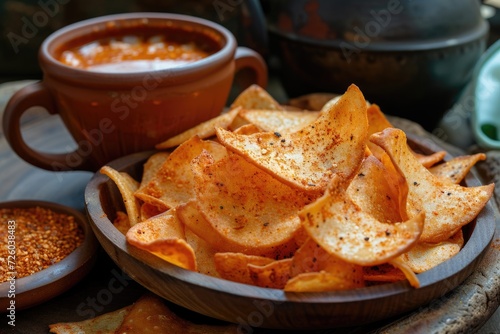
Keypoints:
(460, 265)
(186, 73)
(59, 277)
(480, 32)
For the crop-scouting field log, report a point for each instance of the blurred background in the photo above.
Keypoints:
(26, 23)
(417, 58)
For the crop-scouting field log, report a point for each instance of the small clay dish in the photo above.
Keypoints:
(48, 283)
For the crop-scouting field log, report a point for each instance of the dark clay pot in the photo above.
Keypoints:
(410, 57)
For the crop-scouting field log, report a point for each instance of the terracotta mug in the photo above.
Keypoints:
(112, 114)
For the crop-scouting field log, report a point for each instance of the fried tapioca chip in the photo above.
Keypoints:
(376, 119)
(191, 216)
(424, 256)
(150, 315)
(377, 192)
(318, 282)
(194, 220)
(247, 129)
(203, 130)
(279, 121)
(384, 272)
(162, 226)
(313, 101)
(121, 222)
(378, 122)
(334, 143)
(431, 159)
(457, 168)
(312, 258)
(106, 323)
(447, 206)
(173, 182)
(151, 167)
(204, 254)
(234, 266)
(147, 315)
(255, 97)
(273, 275)
(406, 270)
(397, 181)
(248, 208)
(391, 272)
(336, 223)
(149, 210)
(314, 269)
(127, 187)
(163, 235)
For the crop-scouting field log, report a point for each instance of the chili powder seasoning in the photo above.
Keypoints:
(42, 237)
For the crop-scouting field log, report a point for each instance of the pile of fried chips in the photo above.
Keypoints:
(148, 315)
(301, 200)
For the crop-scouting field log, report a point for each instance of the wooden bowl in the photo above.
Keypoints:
(48, 283)
(271, 308)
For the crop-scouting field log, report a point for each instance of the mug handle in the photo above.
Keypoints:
(248, 58)
(36, 94)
